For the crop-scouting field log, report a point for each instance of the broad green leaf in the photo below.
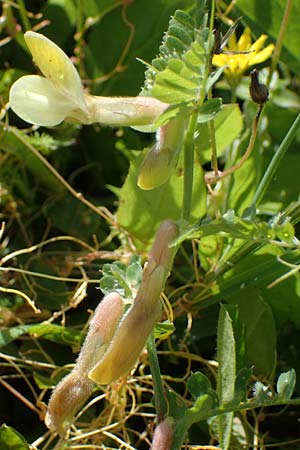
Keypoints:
(243, 182)
(285, 188)
(267, 19)
(257, 266)
(140, 212)
(257, 317)
(49, 331)
(241, 385)
(11, 439)
(286, 384)
(9, 334)
(72, 217)
(43, 381)
(149, 23)
(62, 15)
(228, 126)
(14, 142)
(55, 333)
(226, 372)
(284, 298)
(209, 110)
(95, 8)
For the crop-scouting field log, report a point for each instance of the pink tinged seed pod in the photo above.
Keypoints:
(132, 333)
(101, 330)
(161, 253)
(68, 396)
(163, 435)
(74, 389)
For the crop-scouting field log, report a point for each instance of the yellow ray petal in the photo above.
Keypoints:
(257, 45)
(244, 42)
(261, 56)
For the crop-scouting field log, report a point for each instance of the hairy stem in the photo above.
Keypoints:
(160, 401)
(188, 169)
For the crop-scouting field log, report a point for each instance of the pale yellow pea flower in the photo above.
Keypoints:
(58, 95)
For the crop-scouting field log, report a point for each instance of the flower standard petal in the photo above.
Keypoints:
(36, 100)
(56, 66)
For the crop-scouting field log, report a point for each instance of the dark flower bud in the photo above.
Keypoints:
(258, 91)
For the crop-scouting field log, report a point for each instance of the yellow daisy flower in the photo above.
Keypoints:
(237, 64)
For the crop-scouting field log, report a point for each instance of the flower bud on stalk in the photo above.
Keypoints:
(160, 162)
(258, 91)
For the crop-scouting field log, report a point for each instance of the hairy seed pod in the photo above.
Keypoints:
(74, 389)
(163, 435)
(132, 333)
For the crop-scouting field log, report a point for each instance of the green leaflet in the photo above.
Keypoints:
(11, 439)
(177, 74)
(49, 331)
(249, 229)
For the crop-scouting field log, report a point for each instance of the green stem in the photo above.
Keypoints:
(279, 42)
(212, 134)
(274, 164)
(23, 15)
(160, 401)
(192, 417)
(212, 15)
(211, 124)
(188, 168)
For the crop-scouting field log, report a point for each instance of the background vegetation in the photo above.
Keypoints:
(234, 290)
